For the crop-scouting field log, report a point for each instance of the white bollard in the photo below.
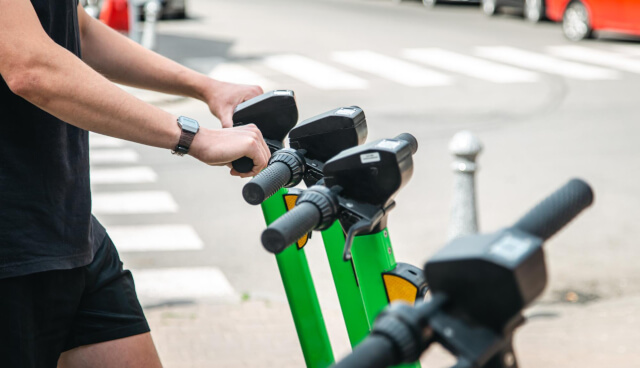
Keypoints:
(465, 146)
(92, 8)
(151, 14)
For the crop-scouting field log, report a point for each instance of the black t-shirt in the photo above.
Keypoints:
(45, 199)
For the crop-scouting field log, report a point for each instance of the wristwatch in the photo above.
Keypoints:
(189, 129)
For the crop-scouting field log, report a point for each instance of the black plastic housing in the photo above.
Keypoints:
(490, 278)
(324, 136)
(372, 173)
(275, 113)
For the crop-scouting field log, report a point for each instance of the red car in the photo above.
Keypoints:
(581, 17)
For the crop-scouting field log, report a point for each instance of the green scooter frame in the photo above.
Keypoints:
(301, 293)
(381, 279)
(275, 113)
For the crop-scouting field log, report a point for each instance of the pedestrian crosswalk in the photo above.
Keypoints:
(314, 73)
(113, 156)
(161, 238)
(431, 67)
(598, 57)
(115, 162)
(390, 68)
(471, 66)
(545, 63)
(126, 175)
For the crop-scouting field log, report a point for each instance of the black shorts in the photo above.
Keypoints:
(47, 313)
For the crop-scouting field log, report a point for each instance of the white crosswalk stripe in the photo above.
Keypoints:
(158, 238)
(124, 175)
(140, 202)
(627, 49)
(599, 57)
(113, 156)
(390, 68)
(103, 141)
(235, 73)
(468, 65)
(544, 63)
(154, 285)
(314, 73)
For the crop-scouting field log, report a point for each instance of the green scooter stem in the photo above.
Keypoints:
(347, 288)
(372, 256)
(301, 294)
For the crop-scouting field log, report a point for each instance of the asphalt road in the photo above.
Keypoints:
(542, 121)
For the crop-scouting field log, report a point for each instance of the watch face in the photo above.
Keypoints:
(188, 124)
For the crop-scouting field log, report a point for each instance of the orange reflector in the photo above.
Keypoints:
(399, 289)
(290, 202)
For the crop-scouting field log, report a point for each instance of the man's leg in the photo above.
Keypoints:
(130, 352)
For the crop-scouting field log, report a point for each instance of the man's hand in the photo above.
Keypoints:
(223, 97)
(222, 146)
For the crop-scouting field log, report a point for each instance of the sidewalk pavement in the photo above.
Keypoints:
(259, 333)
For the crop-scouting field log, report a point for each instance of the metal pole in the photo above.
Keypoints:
(151, 14)
(133, 20)
(465, 146)
(92, 8)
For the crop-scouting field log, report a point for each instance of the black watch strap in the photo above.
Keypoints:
(182, 148)
(189, 129)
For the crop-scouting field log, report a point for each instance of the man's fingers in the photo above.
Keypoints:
(233, 172)
(259, 136)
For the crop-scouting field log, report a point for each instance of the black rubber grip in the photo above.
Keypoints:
(290, 227)
(243, 165)
(413, 142)
(373, 352)
(557, 210)
(266, 183)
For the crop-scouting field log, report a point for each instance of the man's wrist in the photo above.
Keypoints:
(204, 88)
(200, 143)
(189, 129)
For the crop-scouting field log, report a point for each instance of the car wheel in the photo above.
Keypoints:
(576, 23)
(534, 10)
(429, 3)
(490, 7)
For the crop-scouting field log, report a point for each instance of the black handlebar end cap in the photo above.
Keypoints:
(253, 193)
(273, 240)
(409, 138)
(243, 165)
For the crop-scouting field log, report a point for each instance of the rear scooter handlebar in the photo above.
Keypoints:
(402, 333)
(557, 210)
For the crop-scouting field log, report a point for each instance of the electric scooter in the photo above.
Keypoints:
(313, 142)
(480, 284)
(358, 189)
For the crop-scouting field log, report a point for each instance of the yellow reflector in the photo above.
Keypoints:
(290, 202)
(399, 289)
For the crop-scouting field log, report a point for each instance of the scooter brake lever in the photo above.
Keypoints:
(363, 225)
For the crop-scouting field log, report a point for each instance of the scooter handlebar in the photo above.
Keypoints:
(243, 165)
(290, 227)
(266, 183)
(557, 210)
(413, 142)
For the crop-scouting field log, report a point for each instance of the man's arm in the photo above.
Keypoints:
(55, 80)
(124, 61)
